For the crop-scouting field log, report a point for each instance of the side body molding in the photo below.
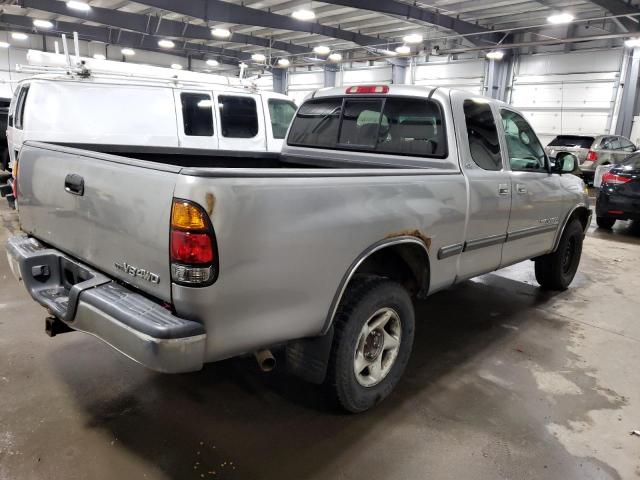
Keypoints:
(353, 268)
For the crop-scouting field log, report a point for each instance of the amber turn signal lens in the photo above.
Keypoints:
(187, 216)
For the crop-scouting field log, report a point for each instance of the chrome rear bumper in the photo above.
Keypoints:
(88, 301)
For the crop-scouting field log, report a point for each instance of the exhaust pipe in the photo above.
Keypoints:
(266, 360)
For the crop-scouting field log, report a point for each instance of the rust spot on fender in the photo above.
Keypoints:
(412, 233)
(210, 200)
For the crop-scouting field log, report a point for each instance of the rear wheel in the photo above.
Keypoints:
(374, 329)
(605, 222)
(556, 270)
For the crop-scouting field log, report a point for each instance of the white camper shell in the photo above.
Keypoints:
(117, 112)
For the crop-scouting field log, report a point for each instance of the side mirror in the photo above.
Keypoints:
(567, 164)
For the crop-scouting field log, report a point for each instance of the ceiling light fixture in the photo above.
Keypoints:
(412, 38)
(258, 57)
(19, 36)
(283, 62)
(403, 50)
(559, 18)
(4, 45)
(495, 55)
(335, 57)
(42, 23)
(221, 32)
(176, 66)
(322, 50)
(212, 63)
(303, 14)
(99, 56)
(164, 43)
(78, 5)
(632, 42)
(128, 51)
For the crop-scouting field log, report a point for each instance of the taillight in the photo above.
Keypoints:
(192, 245)
(592, 156)
(609, 177)
(368, 89)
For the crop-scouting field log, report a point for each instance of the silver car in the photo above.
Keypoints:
(591, 151)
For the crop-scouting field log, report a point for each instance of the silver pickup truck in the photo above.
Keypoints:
(381, 194)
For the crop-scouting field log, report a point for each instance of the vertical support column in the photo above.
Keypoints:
(629, 102)
(330, 75)
(398, 71)
(280, 80)
(498, 78)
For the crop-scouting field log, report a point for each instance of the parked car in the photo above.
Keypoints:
(619, 194)
(382, 193)
(591, 151)
(148, 115)
(4, 152)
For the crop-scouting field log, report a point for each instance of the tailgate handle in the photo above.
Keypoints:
(74, 184)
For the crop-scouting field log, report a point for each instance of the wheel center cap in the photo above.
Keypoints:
(373, 345)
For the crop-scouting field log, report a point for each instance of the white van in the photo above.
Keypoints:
(112, 113)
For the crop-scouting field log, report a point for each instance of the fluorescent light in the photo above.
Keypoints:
(303, 14)
(128, 51)
(322, 50)
(176, 66)
(4, 45)
(99, 56)
(335, 57)
(560, 18)
(220, 32)
(42, 23)
(205, 104)
(19, 36)
(632, 42)
(413, 38)
(403, 50)
(283, 62)
(212, 63)
(164, 43)
(258, 57)
(78, 5)
(495, 55)
(390, 53)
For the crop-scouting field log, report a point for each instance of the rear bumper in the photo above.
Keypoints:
(88, 301)
(617, 206)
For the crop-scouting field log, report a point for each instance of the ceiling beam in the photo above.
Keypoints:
(410, 12)
(618, 7)
(126, 39)
(155, 25)
(226, 12)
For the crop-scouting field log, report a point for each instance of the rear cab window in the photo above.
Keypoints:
(281, 113)
(390, 125)
(576, 141)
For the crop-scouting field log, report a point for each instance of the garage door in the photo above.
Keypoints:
(467, 75)
(568, 93)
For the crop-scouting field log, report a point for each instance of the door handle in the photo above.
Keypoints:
(503, 189)
(74, 184)
(521, 189)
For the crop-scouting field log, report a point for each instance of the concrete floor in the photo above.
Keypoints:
(506, 381)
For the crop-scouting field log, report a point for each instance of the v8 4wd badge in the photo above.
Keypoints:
(138, 272)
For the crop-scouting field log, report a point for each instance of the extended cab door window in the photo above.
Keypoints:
(281, 113)
(524, 148)
(484, 143)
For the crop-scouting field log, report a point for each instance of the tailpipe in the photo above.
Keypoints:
(266, 360)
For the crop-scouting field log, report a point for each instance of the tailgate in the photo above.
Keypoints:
(111, 212)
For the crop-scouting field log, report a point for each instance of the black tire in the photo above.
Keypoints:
(605, 223)
(364, 297)
(556, 270)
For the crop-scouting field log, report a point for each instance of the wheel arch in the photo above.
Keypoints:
(582, 213)
(404, 259)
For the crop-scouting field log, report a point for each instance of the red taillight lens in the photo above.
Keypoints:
(615, 179)
(592, 156)
(191, 248)
(368, 89)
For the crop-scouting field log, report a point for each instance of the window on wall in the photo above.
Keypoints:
(482, 133)
(238, 116)
(400, 126)
(281, 113)
(525, 150)
(197, 115)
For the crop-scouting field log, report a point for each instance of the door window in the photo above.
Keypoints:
(197, 116)
(281, 113)
(524, 148)
(20, 104)
(626, 145)
(238, 116)
(482, 135)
